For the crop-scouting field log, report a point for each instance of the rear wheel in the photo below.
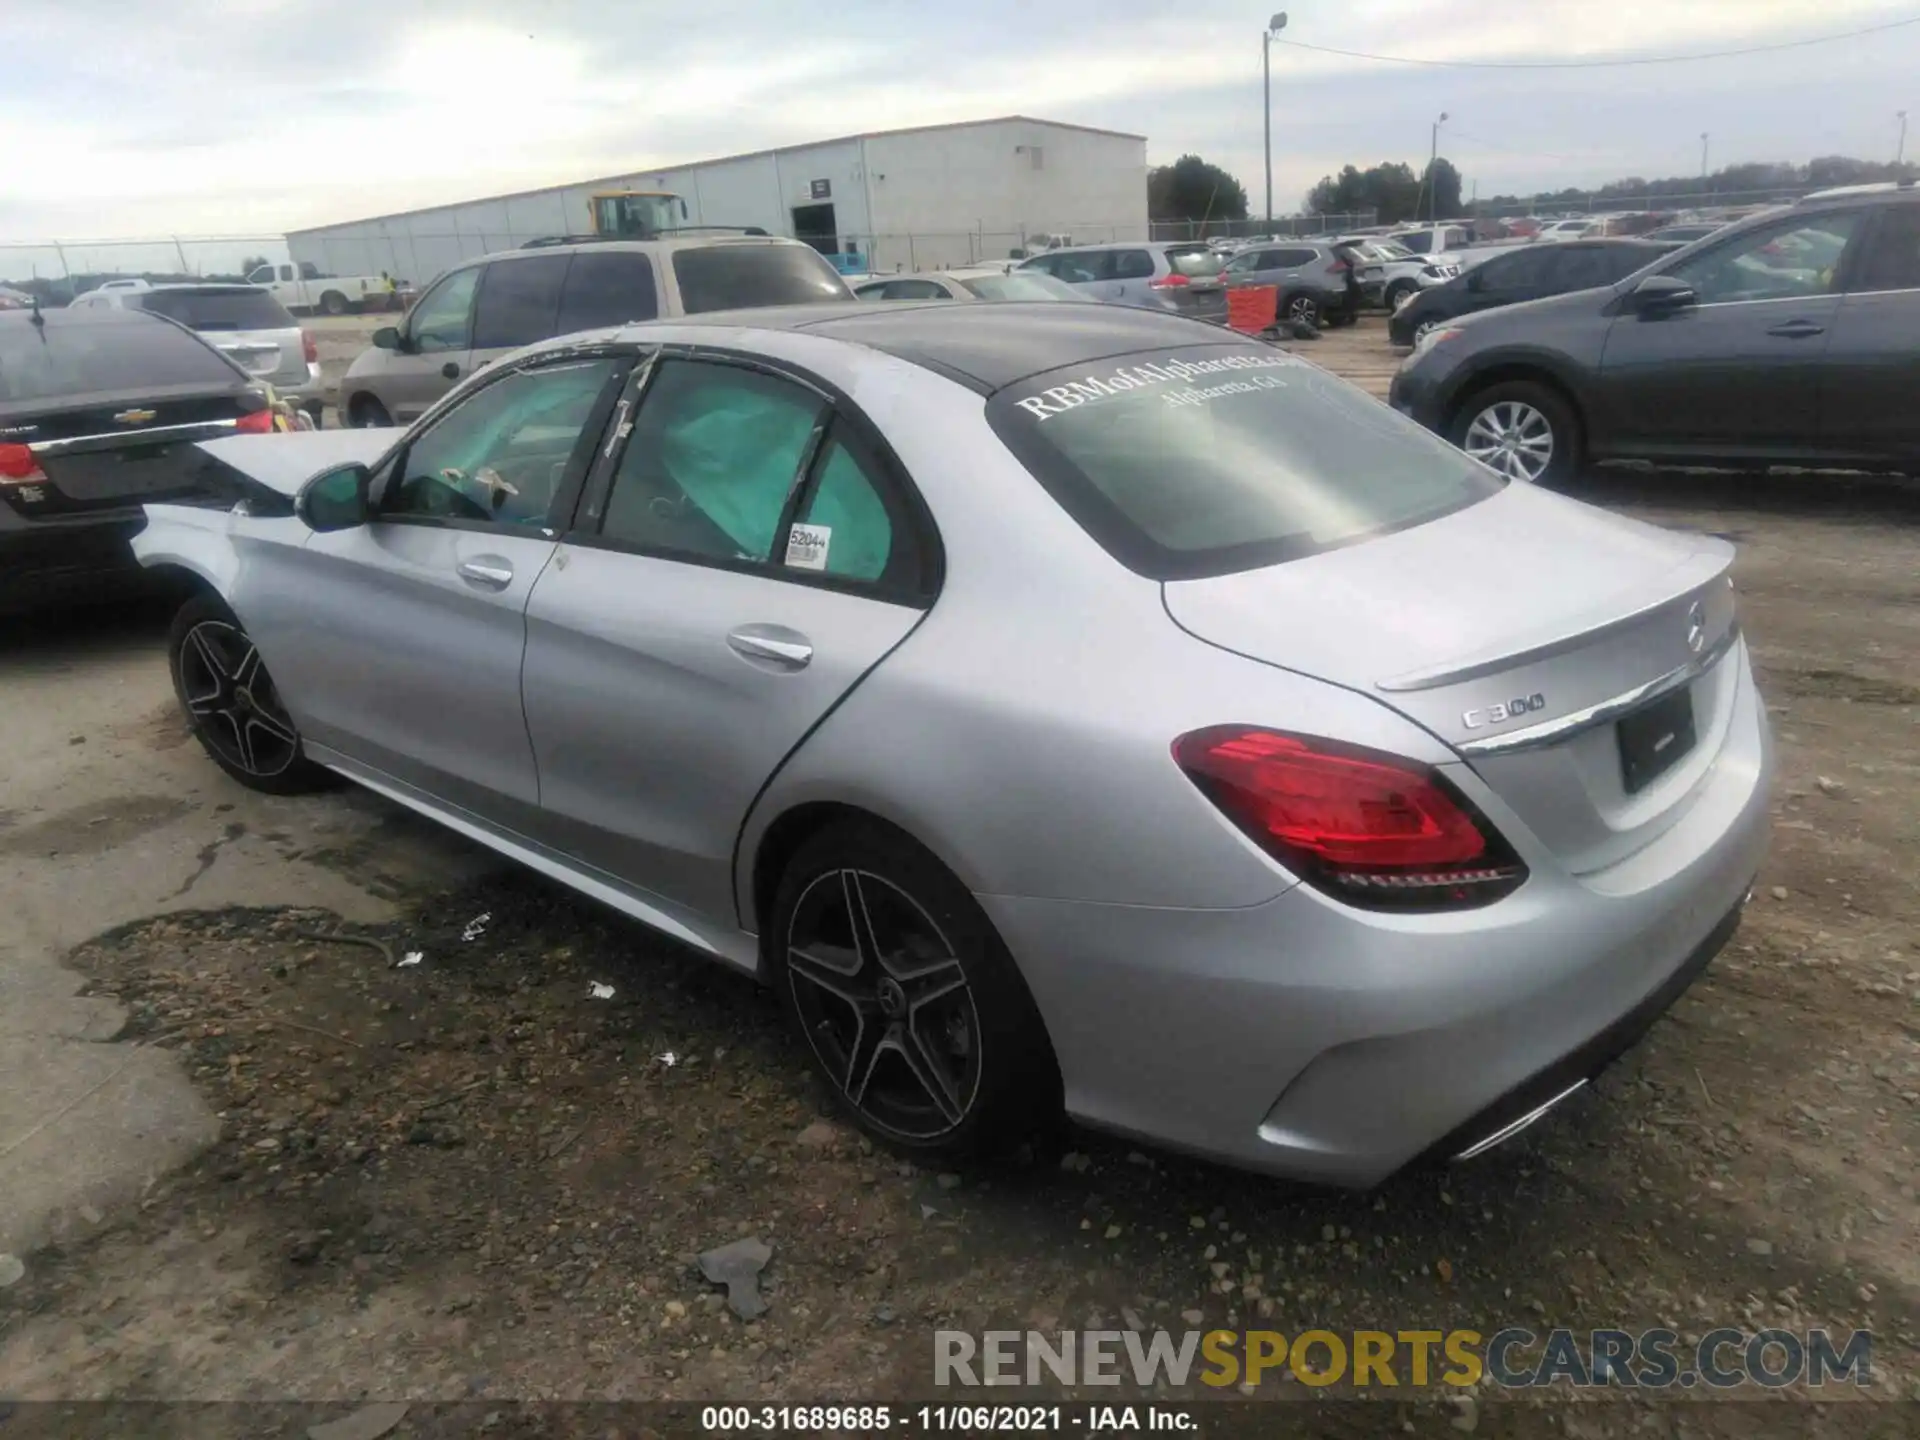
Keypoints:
(231, 703)
(334, 303)
(1303, 308)
(366, 413)
(1525, 430)
(913, 1009)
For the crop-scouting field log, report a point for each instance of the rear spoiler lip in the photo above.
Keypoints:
(1709, 562)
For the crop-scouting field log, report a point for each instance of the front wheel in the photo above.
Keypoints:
(366, 413)
(914, 1010)
(1399, 293)
(1522, 429)
(231, 703)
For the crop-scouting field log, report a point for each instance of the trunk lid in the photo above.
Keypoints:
(111, 451)
(1571, 656)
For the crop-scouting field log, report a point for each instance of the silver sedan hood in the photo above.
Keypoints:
(285, 462)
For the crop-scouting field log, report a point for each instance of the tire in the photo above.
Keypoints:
(334, 303)
(364, 412)
(1398, 291)
(230, 703)
(1301, 307)
(1524, 410)
(923, 1028)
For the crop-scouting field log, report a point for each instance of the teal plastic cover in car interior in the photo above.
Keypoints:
(733, 452)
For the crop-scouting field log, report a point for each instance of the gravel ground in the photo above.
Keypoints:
(468, 1179)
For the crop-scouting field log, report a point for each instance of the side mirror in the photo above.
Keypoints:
(1661, 295)
(387, 337)
(335, 499)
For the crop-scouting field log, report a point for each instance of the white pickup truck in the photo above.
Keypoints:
(307, 289)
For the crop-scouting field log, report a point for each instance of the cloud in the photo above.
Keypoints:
(253, 119)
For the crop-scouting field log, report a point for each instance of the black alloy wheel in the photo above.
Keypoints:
(914, 1011)
(231, 702)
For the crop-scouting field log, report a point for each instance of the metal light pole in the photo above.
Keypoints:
(1433, 158)
(1274, 27)
(1900, 151)
(1703, 154)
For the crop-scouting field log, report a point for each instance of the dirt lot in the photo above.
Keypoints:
(467, 1179)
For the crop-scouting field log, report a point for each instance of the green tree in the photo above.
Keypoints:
(1391, 189)
(1194, 189)
(253, 263)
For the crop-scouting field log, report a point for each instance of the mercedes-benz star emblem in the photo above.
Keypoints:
(1697, 627)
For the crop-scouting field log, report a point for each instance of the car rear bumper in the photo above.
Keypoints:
(59, 561)
(1307, 1039)
(308, 390)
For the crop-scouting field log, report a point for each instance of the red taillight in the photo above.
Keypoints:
(309, 347)
(1371, 828)
(1175, 281)
(18, 466)
(260, 422)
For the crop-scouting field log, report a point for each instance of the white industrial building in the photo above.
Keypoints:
(923, 198)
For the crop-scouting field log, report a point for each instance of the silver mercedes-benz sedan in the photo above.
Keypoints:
(1062, 707)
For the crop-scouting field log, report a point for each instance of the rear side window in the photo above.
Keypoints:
(1195, 263)
(519, 302)
(217, 308)
(122, 355)
(1893, 257)
(1078, 267)
(1287, 259)
(603, 288)
(1220, 458)
(1525, 271)
(1133, 265)
(1021, 285)
(741, 277)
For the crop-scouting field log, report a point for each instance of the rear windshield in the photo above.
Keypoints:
(217, 308)
(1021, 285)
(1213, 459)
(84, 359)
(1195, 262)
(740, 277)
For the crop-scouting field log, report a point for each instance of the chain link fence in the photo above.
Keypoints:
(1705, 200)
(57, 270)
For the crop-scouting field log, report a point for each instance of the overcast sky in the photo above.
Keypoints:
(151, 117)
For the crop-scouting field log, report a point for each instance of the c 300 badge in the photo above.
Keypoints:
(1508, 710)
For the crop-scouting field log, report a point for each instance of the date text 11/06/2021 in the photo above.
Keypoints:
(946, 1419)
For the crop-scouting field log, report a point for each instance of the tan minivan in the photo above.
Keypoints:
(483, 308)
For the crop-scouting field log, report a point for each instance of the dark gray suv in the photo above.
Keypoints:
(1792, 337)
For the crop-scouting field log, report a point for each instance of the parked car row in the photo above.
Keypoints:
(1788, 338)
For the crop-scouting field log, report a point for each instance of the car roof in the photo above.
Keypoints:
(647, 247)
(984, 347)
(1120, 245)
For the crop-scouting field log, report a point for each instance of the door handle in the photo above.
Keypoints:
(450, 370)
(1798, 330)
(490, 572)
(787, 648)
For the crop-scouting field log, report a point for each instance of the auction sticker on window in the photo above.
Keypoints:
(807, 546)
(1245, 372)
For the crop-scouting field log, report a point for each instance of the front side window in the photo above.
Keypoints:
(1790, 261)
(1893, 259)
(714, 453)
(1582, 267)
(1520, 272)
(1221, 458)
(498, 456)
(442, 320)
(519, 302)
